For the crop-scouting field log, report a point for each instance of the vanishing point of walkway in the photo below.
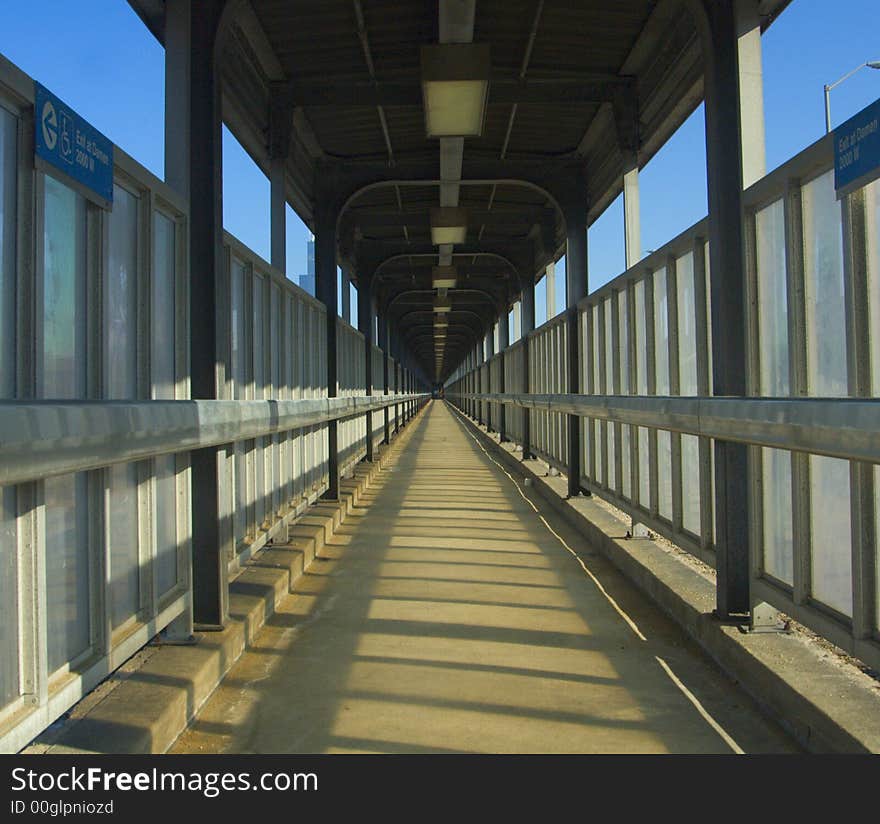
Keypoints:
(445, 615)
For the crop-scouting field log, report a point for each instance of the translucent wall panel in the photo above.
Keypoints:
(8, 180)
(623, 315)
(872, 204)
(826, 376)
(687, 385)
(609, 389)
(9, 668)
(773, 381)
(661, 362)
(164, 379)
(642, 389)
(120, 341)
(64, 376)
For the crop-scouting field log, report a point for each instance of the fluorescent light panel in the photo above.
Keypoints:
(444, 277)
(448, 225)
(455, 88)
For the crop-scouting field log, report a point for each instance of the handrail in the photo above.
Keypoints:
(846, 428)
(41, 438)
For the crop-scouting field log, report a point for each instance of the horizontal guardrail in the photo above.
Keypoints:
(837, 427)
(40, 439)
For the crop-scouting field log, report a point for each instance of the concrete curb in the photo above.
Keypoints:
(824, 706)
(145, 705)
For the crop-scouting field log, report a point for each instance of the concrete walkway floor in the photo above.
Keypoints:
(446, 615)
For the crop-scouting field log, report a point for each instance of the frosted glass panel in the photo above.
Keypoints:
(121, 298)
(827, 376)
(642, 389)
(166, 524)
(872, 204)
(831, 534)
(777, 527)
(772, 301)
(623, 320)
(774, 381)
(609, 389)
(687, 319)
(8, 155)
(164, 380)
(661, 333)
(124, 563)
(9, 672)
(67, 568)
(164, 308)
(63, 376)
(690, 481)
(121, 358)
(64, 293)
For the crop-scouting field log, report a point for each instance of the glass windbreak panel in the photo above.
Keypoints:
(642, 389)
(9, 669)
(164, 308)
(623, 316)
(121, 297)
(274, 349)
(164, 381)
(239, 359)
(872, 205)
(690, 482)
(9, 666)
(8, 190)
(609, 389)
(258, 314)
(772, 301)
(830, 533)
(166, 524)
(774, 381)
(661, 361)
(121, 358)
(64, 376)
(687, 320)
(827, 376)
(778, 540)
(124, 562)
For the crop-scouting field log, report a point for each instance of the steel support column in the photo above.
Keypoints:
(576, 288)
(718, 26)
(365, 325)
(383, 345)
(326, 291)
(528, 326)
(194, 161)
(503, 344)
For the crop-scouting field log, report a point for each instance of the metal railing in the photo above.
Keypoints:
(648, 418)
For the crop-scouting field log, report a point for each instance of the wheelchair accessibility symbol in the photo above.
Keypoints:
(49, 123)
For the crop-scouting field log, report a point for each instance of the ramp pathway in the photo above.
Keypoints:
(447, 614)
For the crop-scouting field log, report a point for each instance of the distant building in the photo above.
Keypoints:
(307, 282)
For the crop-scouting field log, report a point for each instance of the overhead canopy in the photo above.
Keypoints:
(577, 91)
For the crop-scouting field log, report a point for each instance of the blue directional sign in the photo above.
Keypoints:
(70, 144)
(857, 150)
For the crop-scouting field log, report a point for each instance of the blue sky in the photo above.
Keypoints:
(110, 69)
